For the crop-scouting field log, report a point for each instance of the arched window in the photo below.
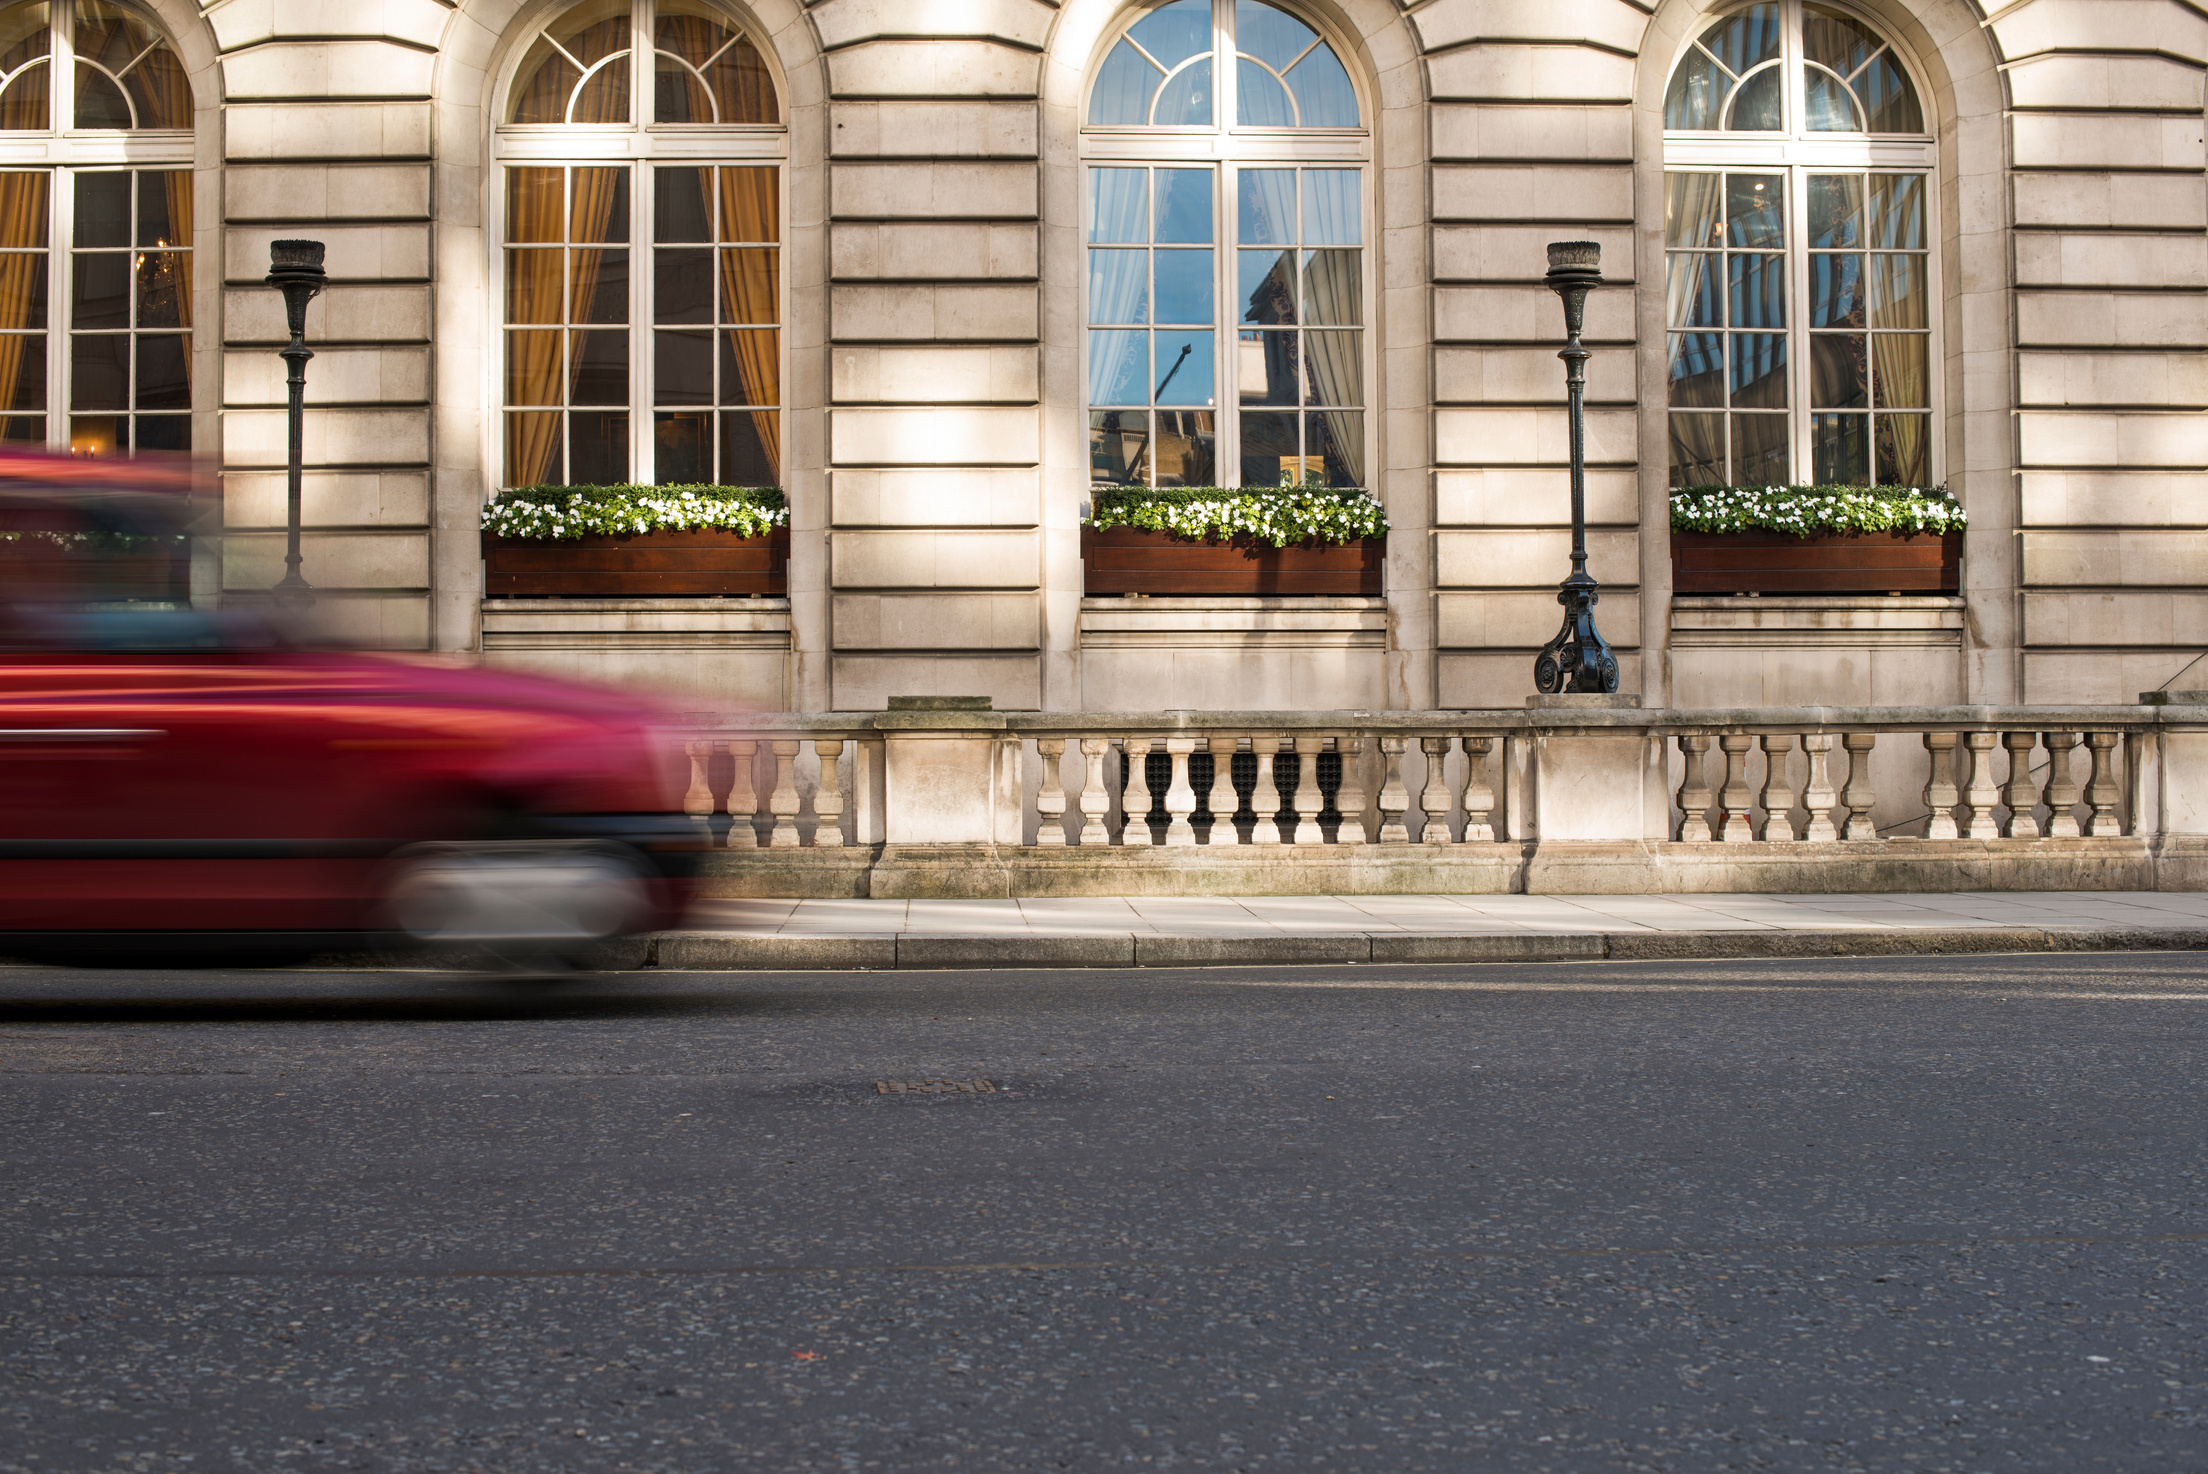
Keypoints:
(95, 231)
(649, 292)
(1798, 275)
(1224, 212)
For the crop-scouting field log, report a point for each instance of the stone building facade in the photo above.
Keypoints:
(935, 164)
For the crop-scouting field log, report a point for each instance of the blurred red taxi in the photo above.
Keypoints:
(178, 781)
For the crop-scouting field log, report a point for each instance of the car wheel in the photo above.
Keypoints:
(536, 904)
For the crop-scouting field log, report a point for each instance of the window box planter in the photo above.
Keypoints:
(36, 569)
(1762, 562)
(1135, 560)
(668, 563)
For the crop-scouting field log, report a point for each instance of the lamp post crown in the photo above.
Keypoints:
(295, 256)
(1575, 256)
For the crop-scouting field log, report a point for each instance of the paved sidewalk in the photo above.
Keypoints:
(1191, 931)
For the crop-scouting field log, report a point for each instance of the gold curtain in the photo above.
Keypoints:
(22, 223)
(751, 210)
(1899, 361)
(534, 212)
(161, 90)
(176, 185)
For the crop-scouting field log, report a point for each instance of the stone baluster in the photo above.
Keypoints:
(1479, 795)
(1096, 799)
(828, 798)
(1265, 798)
(2100, 788)
(743, 797)
(1050, 794)
(1349, 799)
(1858, 797)
(1180, 798)
(783, 802)
(1778, 790)
(1224, 801)
(1818, 798)
(1308, 800)
(1134, 799)
(1695, 797)
(2062, 785)
(1433, 799)
(1940, 796)
(1979, 794)
(2020, 793)
(1394, 798)
(697, 800)
(1734, 797)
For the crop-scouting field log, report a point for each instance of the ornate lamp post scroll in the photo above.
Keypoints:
(1578, 659)
(295, 269)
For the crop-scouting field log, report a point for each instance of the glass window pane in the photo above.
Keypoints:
(1266, 370)
(1260, 101)
(751, 448)
(1269, 455)
(1185, 99)
(1900, 371)
(1119, 205)
(604, 95)
(1323, 93)
(1697, 372)
(161, 432)
(1174, 33)
(1334, 368)
(598, 447)
(1829, 104)
(23, 290)
(1124, 86)
(1186, 450)
(1755, 210)
(535, 286)
(682, 205)
(101, 290)
(1835, 212)
(1697, 96)
(164, 207)
(1758, 107)
(22, 210)
(1267, 207)
(1693, 292)
(99, 375)
(1330, 213)
(600, 281)
(23, 430)
(751, 367)
(1119, 286)
(1334, 447)
(1756, 291)
(1839, 376)
(1889, 97)
(598, 206)
(1837, 449)
(100, 435)
(1690, 209)
(533, 371)
(1760, 456)
(1836, 291)
(682, 447)
(1119, 367)
(598, 368)
(1897, 212)
(1835, 40)
(1119, 447)
(534, 449)
(162, 372)
(1904, 450)
(682, 286)
(1897, 292)
(1743, 40)
(1265, 285)
(1758, 370)
(546, 80)
(100, 103)
(25, 103)
(1184, 207)
(1697, 450)
(1333, 288)
(751, 205)
(750, 286)
(1183, 367)
(1184, 286)
(535, 204)
(677, 94)
(682, 368)
(1269, 33)
(23, 371)
(103, 209)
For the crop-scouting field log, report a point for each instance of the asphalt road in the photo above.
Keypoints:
(1913, 1214)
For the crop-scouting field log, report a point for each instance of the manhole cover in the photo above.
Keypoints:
(934, 1087)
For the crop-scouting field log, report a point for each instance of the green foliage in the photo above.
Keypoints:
(1282, 517)
(1812, 511)
(564, 513)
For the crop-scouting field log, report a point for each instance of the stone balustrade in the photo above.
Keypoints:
(1595, 798)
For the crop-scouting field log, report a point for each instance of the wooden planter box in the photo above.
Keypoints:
(694, 563)
(36, 571)
(1840, 563)
(1134, 560)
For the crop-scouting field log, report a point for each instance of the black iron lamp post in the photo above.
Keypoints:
(295, 269)
(1577, 660)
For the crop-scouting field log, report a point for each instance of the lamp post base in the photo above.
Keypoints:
(1578, 659)
(292, 592)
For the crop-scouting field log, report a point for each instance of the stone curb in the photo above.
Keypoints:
(722, 952)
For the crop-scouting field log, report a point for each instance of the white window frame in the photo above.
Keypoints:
(1225, 147)
(640, 145)
(1796, 154)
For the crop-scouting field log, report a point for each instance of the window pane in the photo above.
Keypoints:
(598, 447)
(1835, 211)
(682, 286)
(749, 286)
(1174, 33)
(1835, 40)
(751, 448)
(1119, 286)
(23, 290)
(1185, 99)
(535, 204)
(1183, 367)
(1889, 97)
(1266, 367)
(1335, 440)
(1838, 375)
(600, 280)
(1837, 451)
(1897, 292)
(1693, 297)
(99, 375)
(23, 430)
(1755, 210)
(1184, 207)
(1697, 372)
(164, 207)
(751, 367)
(1184, 286)
(1756, 291)
(1330, 213)
(25, 33)
(1697, 450)
(1267, 207)
(751, 205)
(162, 432)
(1119, 205)
(1760, 455)
(1323, 91)
(604, 95)
(1758, 370)
(1757, 107)
(1333, 288)
(163, 372)
(677, 95)
(535, 288)
(533, 371)
(1265, 285)
(101, 290)
(1269, 439)
(682, 368)
(598, 209)
(101, 435)
(1829, 104)
(682, 205)
(1124, 86)
(164, 289)
(100, 103)
(1334, 368)
(1900, 371)
(546, 80)
(1691, 208)
(534, 449)
(1697, 96)
(1119, 366)
(1897, 212)
(1119, 447)
(1260, 101)
(598, 368)
(23, 371)
(1904, 450)
(103, 209)
(1187, 448)
(682, 448)
(1743, 40)
(1836, 291)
